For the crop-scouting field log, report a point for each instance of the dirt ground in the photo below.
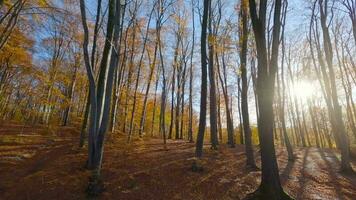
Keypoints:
(37, 164)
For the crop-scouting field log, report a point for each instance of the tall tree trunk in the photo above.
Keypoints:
(178, 97)
(203, 93)
(270, 187)
(223, 81)
(100, 96)
(190, 126)
(219, 114)
(212, 84)
(152, 68)
(244, 88)
(241, 130)
(129, 77)
(281, 97)
(175, 61)
(154, 103)
(70, 94)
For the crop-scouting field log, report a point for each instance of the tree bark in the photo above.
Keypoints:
(203, 93)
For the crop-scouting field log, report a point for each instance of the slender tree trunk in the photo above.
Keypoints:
(190, 127)
(281, 97)
(173, 89)
(223, 81)
(70, 95)
(212, 84)
(241, 130)
(154, 103)
(129, 79)
(152, 68)
(244, 88)
(219, 115)
(203, 93)
(138, 75)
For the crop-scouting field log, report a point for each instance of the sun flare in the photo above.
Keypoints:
(303, 90)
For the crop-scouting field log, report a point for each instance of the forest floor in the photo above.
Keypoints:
(38, 164)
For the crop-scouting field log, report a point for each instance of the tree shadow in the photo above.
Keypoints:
(302, 179)
(331, 172)
(286, 171)
(349, 177)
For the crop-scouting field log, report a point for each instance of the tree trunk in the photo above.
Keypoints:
(212, 102)
(244, 88)
(203, 93)
(270, 187)
(70, 94)
(152, 68)
(190, 126)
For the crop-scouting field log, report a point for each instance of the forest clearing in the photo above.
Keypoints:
(178, 99)
(145, 170)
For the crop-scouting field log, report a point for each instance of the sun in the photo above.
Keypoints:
(303, 90)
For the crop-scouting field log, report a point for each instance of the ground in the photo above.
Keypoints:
(40, 164)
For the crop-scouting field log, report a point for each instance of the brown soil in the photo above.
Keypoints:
(50, 166)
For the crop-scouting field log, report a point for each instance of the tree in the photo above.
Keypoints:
(270, 187)
(93, 64)
(190, 128)
(244, 90)
(224, 41)
(203, 93)
(282, 94)
(100, 92)
(212, 83)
